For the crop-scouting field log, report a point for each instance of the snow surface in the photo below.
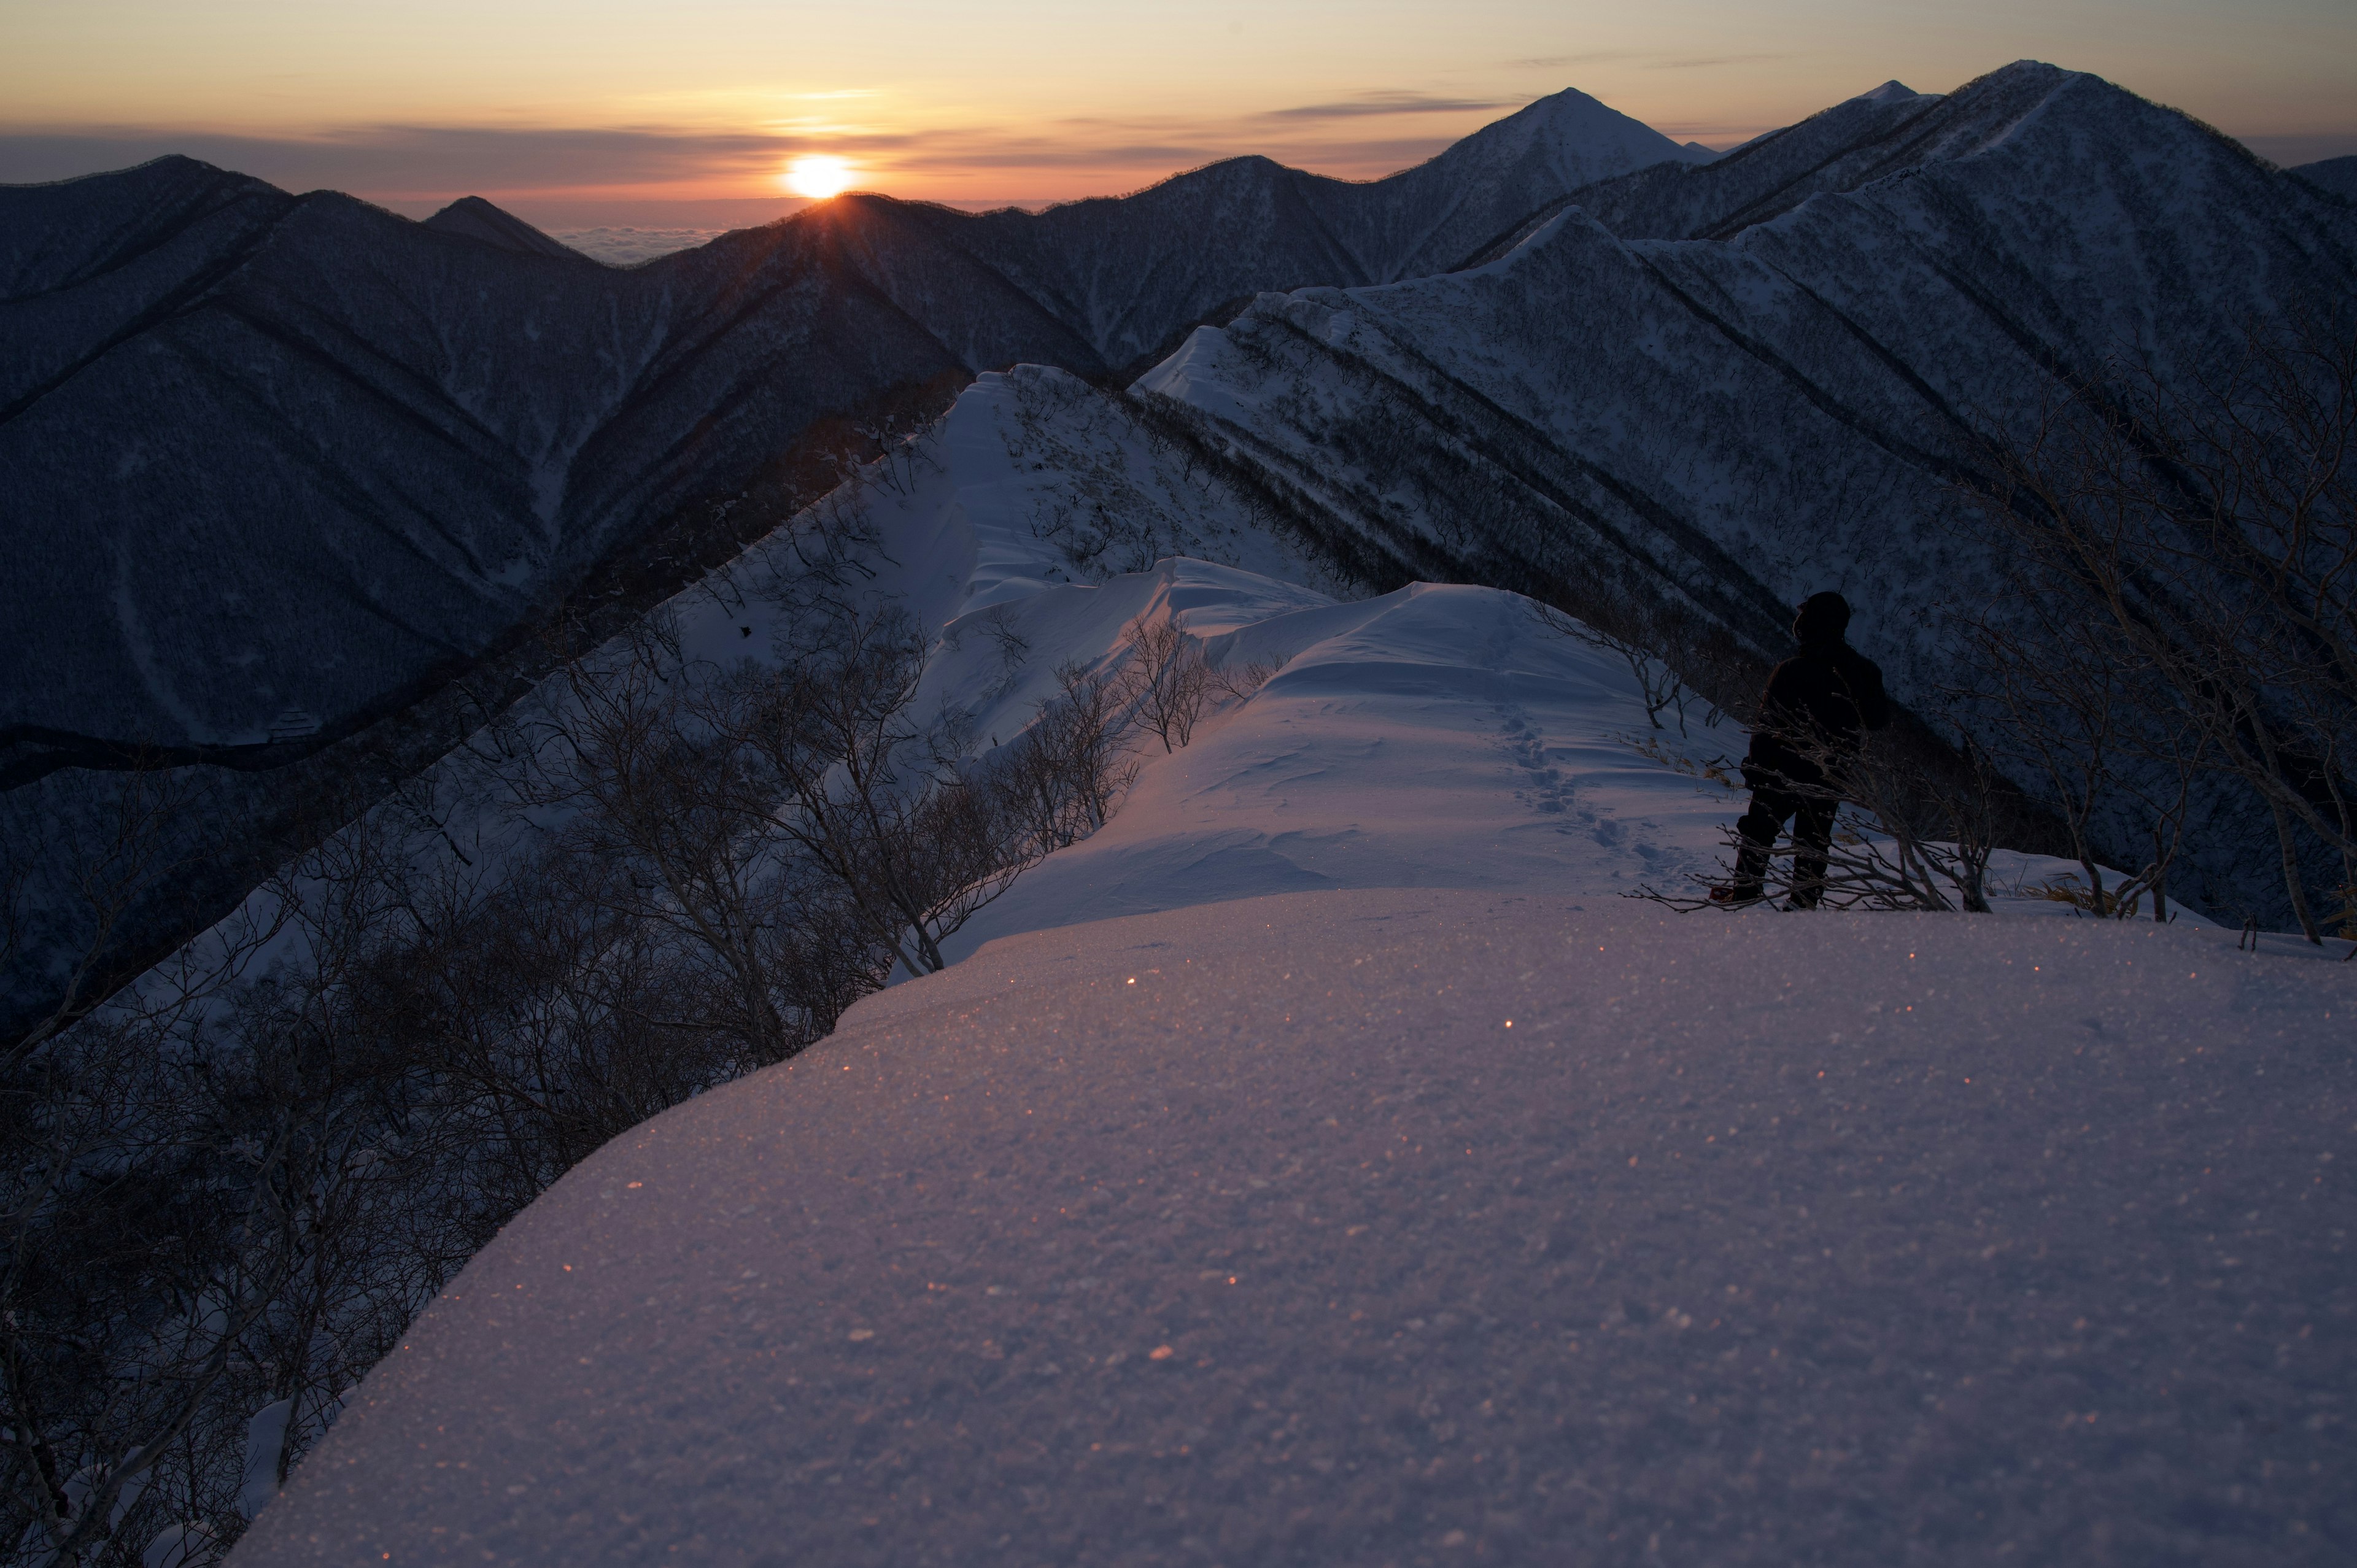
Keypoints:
(1252, 1233)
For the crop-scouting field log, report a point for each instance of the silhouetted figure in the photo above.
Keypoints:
(1812, 718)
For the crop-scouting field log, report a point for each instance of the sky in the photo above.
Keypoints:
(692, 112)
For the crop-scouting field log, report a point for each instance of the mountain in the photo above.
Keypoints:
(478, 220)
(2337, 175)
(273, 451)
(1718, 388)
(282, 467)
(1125, 273)
(1849, 145)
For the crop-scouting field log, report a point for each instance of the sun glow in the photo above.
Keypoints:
(816, 174)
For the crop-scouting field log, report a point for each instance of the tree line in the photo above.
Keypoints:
(227, 1192)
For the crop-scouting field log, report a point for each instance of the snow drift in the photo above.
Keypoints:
(1352, 1227)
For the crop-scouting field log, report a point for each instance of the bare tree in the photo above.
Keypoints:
(2209, 524)
(1063, 776)
(916, 840)
(1164, 680)
(1916, 831)
(1660, 687)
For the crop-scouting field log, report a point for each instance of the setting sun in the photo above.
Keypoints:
(816, 174)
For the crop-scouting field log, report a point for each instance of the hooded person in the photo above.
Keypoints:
(1812, 717)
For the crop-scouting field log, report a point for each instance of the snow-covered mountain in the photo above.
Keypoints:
(1325, 1120)
(271, 451)
(1722, 387)
(278, 461)
(281, 467)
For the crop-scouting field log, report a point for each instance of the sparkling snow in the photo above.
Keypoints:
(1252, 1233)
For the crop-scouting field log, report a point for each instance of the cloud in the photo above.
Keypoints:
(417, 166)
(399, 158)
(1697, 62)
(1387, 103)
(1645, 62)
(1556, 62)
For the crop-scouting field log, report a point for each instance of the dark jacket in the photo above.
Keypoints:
(1817, 703)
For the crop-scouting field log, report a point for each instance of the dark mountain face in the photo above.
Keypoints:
(280, 468)
(270, 452)
(2337, 175)
(1730, 423)
(300, 453)
(478, 220)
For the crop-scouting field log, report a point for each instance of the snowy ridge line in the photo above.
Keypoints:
(1213, 1225)
(1438, 737)
(1797, 398)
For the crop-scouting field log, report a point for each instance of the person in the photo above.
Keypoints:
(1811, 718)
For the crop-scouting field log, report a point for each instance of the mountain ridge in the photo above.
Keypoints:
(1731, 422)
(277, 453)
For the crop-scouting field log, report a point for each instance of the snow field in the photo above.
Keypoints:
(869, 1294)
(1252, 1233)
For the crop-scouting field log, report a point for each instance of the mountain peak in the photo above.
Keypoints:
(477, 218)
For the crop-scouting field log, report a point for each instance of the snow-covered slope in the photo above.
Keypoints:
(1421, 1227)
(1725, 425)
(884, 1305)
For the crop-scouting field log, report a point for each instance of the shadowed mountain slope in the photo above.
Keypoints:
(478, 220)
(282, 469)
(2337, 175)
(1723, 424)
(272, 451)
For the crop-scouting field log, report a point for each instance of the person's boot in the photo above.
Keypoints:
(1750, 862)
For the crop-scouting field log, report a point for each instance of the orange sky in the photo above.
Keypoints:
(595, 111)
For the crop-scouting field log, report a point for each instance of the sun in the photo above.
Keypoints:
(816, 174)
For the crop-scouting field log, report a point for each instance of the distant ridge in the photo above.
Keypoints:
(477, 218)
(268, 452)
(305, 454)
(1742, 381)
(2337, 175)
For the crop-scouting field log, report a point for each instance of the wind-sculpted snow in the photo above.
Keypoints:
(1724, 424)
(1435, 736)
(1420, 1227)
